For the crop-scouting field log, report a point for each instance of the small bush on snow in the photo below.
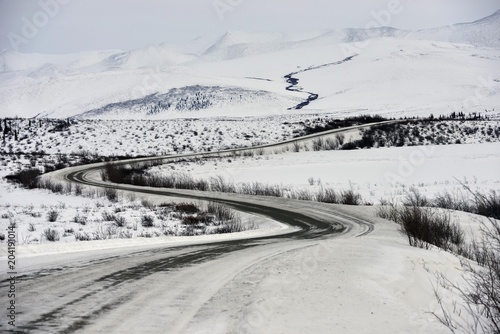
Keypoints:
(108, 216)
(82, 220)
(52, 215)
(147, 221)
(51, 235)
(120, 221)
(82, 236)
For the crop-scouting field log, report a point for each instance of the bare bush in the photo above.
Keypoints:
(235, 226)
(481, 291)
(426, 226)
(120, 221)
(302, 195)
(52, 215)
(51, 235)
(473, 201)
(220, 184)
(199, 219)
(318, 144)
(147, 221)
(340, 139)
(82, 220)
(327, 195)
(108, 216)
(27, 178)
(221, 212)
(187, 208)
(260, 189)
(415, 198)
(148, 234)
(331, 144)
(456, 200)
(230, 227)
(105, 232)
(147, 204)
(125, 234)
(488, 205)
(389, 212)
(111, 194)
(82, 236)
(350, 197)
(78, 190)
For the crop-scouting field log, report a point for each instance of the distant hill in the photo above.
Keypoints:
(396, 72)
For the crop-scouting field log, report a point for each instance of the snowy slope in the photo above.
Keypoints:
(395, 72)
(15, 61)
(484, 32)
(152, 56)
(400, 76)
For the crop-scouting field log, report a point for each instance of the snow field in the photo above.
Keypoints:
(383, 173)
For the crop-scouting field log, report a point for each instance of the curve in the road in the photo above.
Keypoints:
(81, 309)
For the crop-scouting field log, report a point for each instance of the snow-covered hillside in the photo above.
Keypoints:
(484, 32)
(395, 72)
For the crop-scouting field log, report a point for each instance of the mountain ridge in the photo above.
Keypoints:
(421, 71)
(484, 32)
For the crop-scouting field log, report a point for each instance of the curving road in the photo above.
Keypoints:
(166, 289)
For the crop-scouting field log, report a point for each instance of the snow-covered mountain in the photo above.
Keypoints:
(11, 61)
(484, 32)
(149, 57)
(239, 73)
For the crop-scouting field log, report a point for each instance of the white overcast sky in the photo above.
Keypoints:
(80, 25)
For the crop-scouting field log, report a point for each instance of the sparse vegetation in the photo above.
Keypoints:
(52, 215)
(108, 216)
(31, 227)
(139, 176)
(480, 308)
(51, 234)
(102, 221)
(343, 123)
(27, 178)
(221, 212)
(188, 208)
(79, 219)
(424, 225)
(120, 221)
(147, 221)
(111, 194)
(82, 236)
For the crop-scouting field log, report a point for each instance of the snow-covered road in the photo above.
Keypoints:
(163, 288)
(311, 281)
(338, 269)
